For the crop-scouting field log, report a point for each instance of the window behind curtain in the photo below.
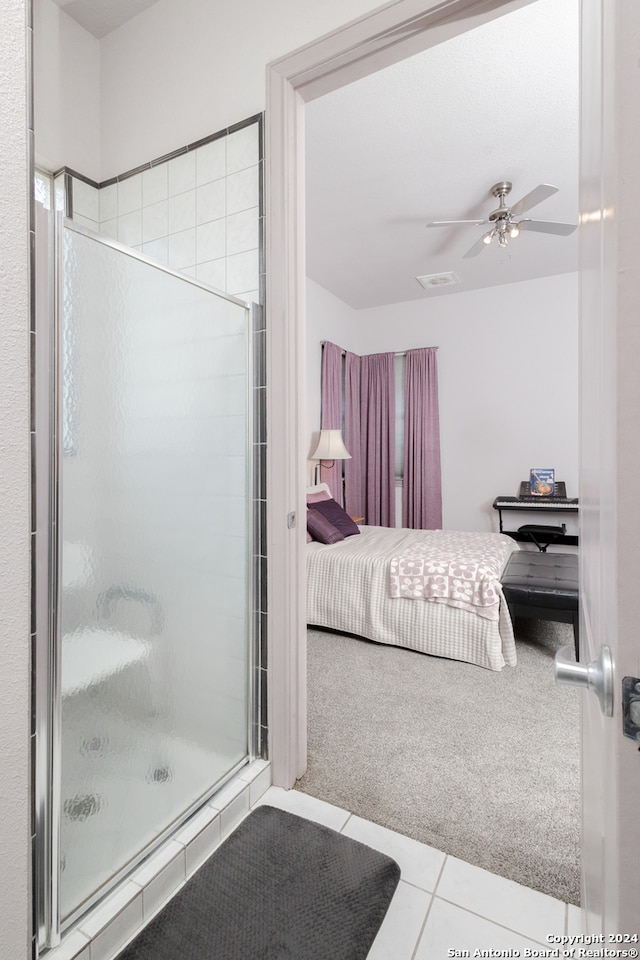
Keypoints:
(399, 367)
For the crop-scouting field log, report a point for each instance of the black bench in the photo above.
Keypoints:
(544, 586)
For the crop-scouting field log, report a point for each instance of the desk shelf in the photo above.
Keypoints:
(526, 506)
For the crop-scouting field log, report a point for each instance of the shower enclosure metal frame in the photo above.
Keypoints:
(47, 615)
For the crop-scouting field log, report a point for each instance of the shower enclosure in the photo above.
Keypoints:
(149, 664)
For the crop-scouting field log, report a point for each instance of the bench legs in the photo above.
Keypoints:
(535, 612)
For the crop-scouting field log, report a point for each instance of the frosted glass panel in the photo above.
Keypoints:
(154, 574)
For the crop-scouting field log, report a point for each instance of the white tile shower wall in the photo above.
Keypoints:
(86, 204)
(197, 212)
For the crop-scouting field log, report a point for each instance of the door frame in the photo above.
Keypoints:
(385, 36)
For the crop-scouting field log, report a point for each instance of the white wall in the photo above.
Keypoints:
(67, 92)
(186, 68)
(15, 847)
(179, 71)
(508, 382)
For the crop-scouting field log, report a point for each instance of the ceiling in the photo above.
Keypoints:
(100, 17)
(426, 140)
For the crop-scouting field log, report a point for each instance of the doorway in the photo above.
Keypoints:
(374, 154)
(385, 37)
(290, 86)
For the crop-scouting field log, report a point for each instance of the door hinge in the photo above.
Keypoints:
(291, 520)
(631, 708)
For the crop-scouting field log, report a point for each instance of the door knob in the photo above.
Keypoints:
(596, 676)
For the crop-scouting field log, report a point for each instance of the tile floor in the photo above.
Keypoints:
(444, 907)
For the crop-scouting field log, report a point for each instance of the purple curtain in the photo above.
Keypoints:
(331, 417)
(353, 469)
(377, 409)
(422, 494)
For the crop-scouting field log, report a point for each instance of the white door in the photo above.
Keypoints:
(610, 396)
(610, 448)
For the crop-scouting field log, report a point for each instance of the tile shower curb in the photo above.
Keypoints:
(112, 924)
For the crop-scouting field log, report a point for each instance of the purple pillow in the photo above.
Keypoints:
(322, 529)
(320, 495)
(336, 515)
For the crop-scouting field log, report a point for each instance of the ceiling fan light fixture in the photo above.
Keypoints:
(505, 225)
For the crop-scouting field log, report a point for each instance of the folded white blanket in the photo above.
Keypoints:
(453, 567)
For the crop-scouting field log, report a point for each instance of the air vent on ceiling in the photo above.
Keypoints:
(437, 280)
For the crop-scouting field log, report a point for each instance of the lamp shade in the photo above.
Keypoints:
(331, 447)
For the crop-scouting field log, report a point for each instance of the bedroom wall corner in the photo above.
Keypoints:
(508, 379)
(328, 318)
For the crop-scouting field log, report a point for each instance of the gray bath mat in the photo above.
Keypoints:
(279, 888)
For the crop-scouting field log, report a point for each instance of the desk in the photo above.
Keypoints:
(541, 505)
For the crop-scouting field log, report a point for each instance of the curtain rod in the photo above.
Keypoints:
(398, 353)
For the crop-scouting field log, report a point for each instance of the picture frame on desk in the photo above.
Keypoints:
(542, 481)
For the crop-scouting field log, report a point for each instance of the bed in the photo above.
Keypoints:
(350, 585)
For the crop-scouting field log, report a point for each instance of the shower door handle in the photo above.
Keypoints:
(596, 676)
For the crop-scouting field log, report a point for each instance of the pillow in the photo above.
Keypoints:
(313, 498)
(336, 515)
(322, 529)
(316, 497)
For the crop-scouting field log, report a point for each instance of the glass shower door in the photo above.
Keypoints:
(153, 584)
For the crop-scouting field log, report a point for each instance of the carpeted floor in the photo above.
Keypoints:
(480, 765)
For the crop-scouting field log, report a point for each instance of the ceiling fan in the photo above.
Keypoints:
(504, 222)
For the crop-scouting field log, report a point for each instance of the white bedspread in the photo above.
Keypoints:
(348, 590)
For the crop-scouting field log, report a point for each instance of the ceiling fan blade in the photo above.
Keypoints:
(451, 223)
(537, 195)
(477, 248)
(548, 226)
